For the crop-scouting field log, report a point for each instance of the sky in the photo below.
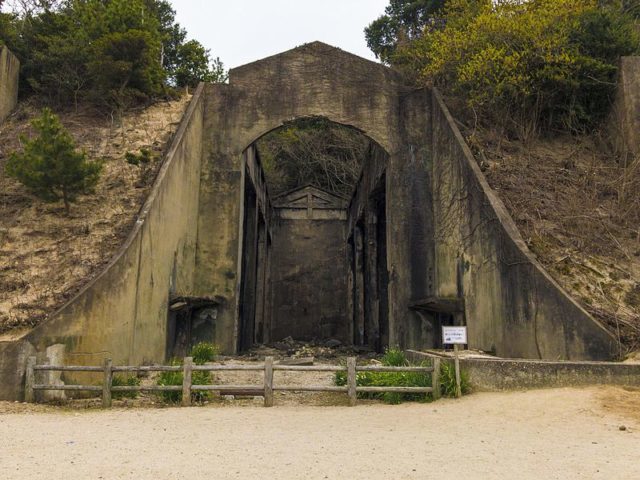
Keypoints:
(241, 31)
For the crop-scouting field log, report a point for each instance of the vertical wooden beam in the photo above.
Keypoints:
(268, 381)
(187, 368)
(29, 380)
(435, 379)
(359, 290)
(456, 350)
(351, 380)
(372, 306)
(107, 380)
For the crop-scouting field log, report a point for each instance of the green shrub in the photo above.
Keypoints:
(144, 157)
(525, 66)
(50, 166)
(124, 381)
(394, 357)
(448, 380)
(171, 379)
(204, 352)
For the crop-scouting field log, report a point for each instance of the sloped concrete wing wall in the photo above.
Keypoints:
(122, 314)
(9, 73)
(512, 306)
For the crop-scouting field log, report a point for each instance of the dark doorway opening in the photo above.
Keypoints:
(249, 277)
(191, 320)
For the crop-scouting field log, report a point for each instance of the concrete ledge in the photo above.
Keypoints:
(514, 374)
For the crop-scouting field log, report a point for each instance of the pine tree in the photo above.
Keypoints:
(50, 166)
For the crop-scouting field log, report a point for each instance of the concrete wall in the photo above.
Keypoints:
(9, 73)
(512, 374)
(314, 79)
(122, 314)
(512, 306)
(624, 123)
(309, 280)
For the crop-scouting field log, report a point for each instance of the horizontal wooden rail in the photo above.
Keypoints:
(147, 368)
(377, 368)
(394, 389)
(88, 388)
(310, 388)
(146, 388)
(60, 368)
(266, 389)
(311, 368)
(228, 368)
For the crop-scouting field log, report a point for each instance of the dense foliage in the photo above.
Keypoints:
(313, 151)
(50, 167)
(113, 52)
(404, 20)
(525, 66)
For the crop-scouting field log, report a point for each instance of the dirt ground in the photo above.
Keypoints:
(544, 434)
(47, 256)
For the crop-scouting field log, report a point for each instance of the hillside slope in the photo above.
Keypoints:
(46, 256)
(579, 212)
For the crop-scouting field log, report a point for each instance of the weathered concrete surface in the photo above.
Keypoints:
(513, 308)
(515, 374)
(422, 224)
(13, 360)
(624, 123)
(311, 80)
(309, 267)
(122, 314)
(9, 73)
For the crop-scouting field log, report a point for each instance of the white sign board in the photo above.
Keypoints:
(454, 335)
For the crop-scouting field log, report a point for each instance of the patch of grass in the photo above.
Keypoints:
(124, 381)
(397, 358)
(448, 380)
(204, 352)
(201, 353)
(393, 357)
(171, 379)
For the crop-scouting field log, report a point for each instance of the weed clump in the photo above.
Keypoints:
(394, 357)
(125, 381)
(201, 353)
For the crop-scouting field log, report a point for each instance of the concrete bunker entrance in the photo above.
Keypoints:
(314, 256)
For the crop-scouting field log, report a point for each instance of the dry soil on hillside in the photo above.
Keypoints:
(47, 256)
(547, 434)
(578, 209)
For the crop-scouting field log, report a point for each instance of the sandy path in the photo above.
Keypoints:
(547, 434)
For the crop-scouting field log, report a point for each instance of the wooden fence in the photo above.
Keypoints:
(266, 389)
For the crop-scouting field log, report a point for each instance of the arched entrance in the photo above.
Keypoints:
(316, 80)
(298, 278)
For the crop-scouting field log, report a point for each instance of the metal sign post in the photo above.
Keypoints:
(455, 336)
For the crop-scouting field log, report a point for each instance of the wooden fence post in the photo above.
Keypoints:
(268, 381)
(456, 360)
(29, 380)
(186, 381)
(106, 383)
(435, 379)
(351, 380)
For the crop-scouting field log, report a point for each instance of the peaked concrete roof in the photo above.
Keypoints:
(316, 48)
